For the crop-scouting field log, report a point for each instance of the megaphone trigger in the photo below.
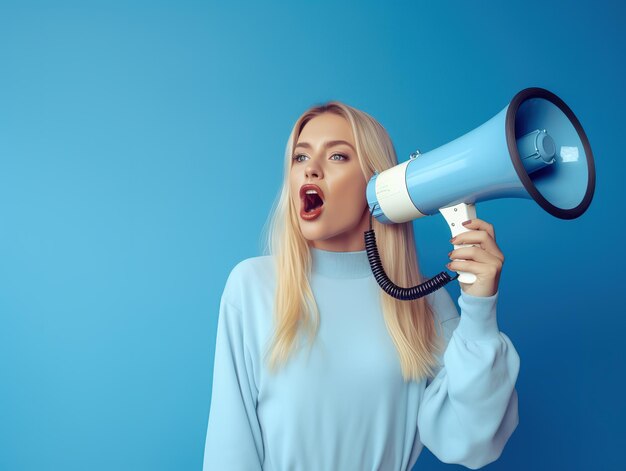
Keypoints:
(454, 216)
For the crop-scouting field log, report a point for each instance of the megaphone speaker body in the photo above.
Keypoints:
(534, 148)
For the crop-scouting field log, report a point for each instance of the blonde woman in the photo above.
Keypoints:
(316, 367)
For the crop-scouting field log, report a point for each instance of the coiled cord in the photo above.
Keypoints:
(404, 294)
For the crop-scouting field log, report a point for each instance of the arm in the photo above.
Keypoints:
(233, 440)
(469, 409)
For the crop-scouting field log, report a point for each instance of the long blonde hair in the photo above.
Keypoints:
(409, 323)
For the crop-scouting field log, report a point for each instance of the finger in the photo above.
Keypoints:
(477, 268)
(479, 224)
(476, 254)
(482, 238)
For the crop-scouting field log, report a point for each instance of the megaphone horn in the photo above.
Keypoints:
(534, 148)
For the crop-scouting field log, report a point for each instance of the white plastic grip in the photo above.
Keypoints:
(455, 216)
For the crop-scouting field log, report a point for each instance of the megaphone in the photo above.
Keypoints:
(534, 148)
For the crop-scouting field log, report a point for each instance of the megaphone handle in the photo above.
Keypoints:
(455, 216)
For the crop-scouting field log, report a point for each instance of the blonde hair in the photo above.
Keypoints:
(409, 323)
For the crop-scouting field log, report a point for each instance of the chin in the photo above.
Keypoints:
(321, 234)
(313, 235)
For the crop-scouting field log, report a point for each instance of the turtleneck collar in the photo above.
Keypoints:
(340, 264)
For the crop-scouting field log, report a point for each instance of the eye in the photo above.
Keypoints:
(296, 158)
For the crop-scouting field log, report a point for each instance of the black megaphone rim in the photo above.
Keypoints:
(511, 139)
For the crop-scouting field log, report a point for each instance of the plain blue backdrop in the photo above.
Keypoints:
(141, 148)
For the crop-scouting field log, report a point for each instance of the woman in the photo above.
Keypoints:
(380, 378)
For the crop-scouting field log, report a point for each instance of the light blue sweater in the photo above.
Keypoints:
(345, 406)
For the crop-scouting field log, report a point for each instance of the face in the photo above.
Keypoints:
(333, 168)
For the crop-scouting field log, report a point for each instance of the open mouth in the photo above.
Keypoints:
(312, 201)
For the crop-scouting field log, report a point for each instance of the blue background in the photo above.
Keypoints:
(141, 148)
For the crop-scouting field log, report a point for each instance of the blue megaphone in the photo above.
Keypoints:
(534, 148)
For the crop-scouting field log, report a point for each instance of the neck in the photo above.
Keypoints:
(333, 264)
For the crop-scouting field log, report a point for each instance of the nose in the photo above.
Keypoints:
(312, 169)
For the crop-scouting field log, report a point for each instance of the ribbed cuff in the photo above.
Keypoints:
(478, 317)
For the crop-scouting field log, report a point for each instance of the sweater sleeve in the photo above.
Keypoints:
(233, 439)
(469, 409)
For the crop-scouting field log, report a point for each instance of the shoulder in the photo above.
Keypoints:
(253, 268)
(249, 277)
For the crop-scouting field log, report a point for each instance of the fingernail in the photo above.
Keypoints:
(452, 240)
(450, 252)
(467, 222)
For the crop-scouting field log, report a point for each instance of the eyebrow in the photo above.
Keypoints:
(326, 144)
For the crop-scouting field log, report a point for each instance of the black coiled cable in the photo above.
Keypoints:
(404, 294)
